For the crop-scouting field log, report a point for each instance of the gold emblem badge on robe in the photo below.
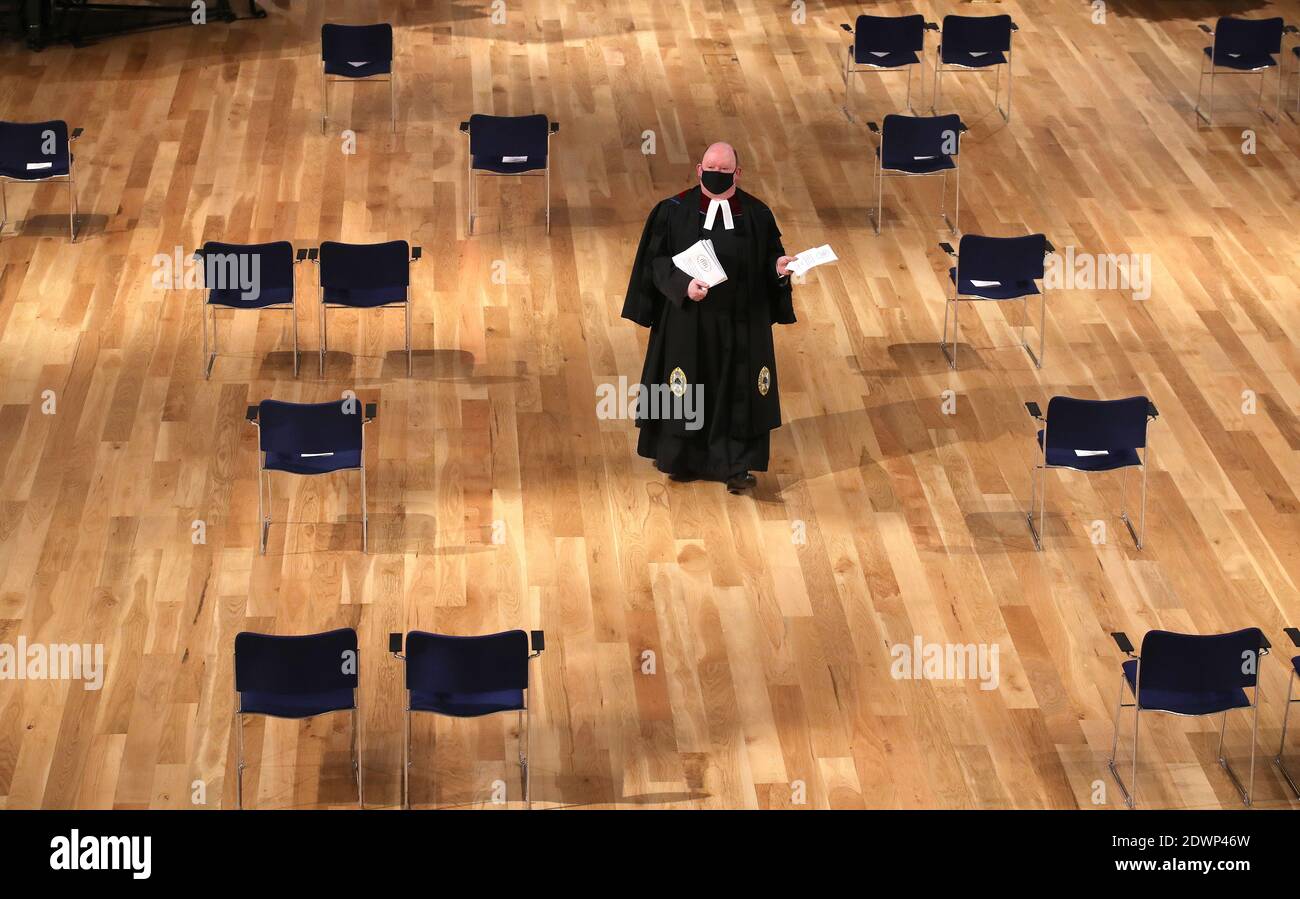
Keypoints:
(764, 381)
(677, 382)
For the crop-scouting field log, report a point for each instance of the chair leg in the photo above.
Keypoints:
(408, 336)
(406, 762)
(956, 201)
(1114, 746)
(548, 196)
(1210, 120)
(1200, 83)
(392, 98)
(909, 89)
(4, 203)
(293, 311)
(239, 761)
(1281, 747)
(365, 515)
(325, 105)
(1246, 791)
(72, 210)
(469, 197)
(264, 522)
(880, 197)
(208, 358)
(324, 339)
(356, 756)
(848, 85)
(938, 77)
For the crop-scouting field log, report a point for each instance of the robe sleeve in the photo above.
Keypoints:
(782, 295)
(654, 277)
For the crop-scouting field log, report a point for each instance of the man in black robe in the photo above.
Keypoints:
(714, 343)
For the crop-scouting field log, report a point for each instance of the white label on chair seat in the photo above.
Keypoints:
(514, 158)
(1092, 452)
(358, 64)
(39, 165)
(975, 283)
(313, 455)
(923, 157)
(878, 52)
(979, 53)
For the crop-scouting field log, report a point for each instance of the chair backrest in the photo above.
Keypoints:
(903, 138)
(313, 663)
(445, 664)
(305, 429)
(888, 34)
(33, 143)
(356, 43)
(358, 266)
(1080, 424)
(229, 267)
(1004, 259)
(496, 137)
(1194, 663)
(976, 34)
(1247, 36)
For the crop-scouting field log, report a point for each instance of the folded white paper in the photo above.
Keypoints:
(1092, 452)
(514, 158)
(977, 283)
(358, 64)
(700, 262)
(812, 258)
(39, 165)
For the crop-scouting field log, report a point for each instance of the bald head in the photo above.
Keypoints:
(719, 157)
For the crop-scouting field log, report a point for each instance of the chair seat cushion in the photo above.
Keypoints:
(345, 68)
(973, 59)
(891, 60)
(924, 165)
(467, 705)
(234, 299)
(1092, 460)
(365, 298)
(1245, 62)
(294, 705)
(296, 463)
(495, 164)
(19, 171)
(1009, 290)
(1185, 703)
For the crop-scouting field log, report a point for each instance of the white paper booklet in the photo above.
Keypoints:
(813, 258)
(699, 261)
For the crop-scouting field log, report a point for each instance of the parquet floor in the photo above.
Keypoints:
(769, 683)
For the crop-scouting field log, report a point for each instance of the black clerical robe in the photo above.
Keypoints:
(720, 348)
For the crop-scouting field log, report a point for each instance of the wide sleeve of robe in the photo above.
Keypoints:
(654, 278)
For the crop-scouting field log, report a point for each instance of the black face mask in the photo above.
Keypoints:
(717, 182)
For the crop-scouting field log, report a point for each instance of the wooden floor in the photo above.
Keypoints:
(769, 682)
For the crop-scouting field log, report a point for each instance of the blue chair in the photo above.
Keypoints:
(35, 152)
(1294, 634)
(1192, 676)
(310, 439)
(357, 53)
(971, 43)
(885, 44)
(919, 146)
(509, 145)
(468, 677)
(1240, 47)
(1090, 436)
(365, 276)
(997, 268)
(246, 276)
(296, 677)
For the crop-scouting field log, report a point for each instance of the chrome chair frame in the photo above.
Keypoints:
(957, 298)
(210, 359)
(264, 504)
(939, 69)
(854, 68)
(314, 255)
(1208, 68)
(472, 199)
(1130, 797)
(52, 179)
(1294, 634)
(524, 722)
(882, 173)
(1038, 495)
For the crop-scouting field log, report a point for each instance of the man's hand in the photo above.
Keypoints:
(783, 266)
(697, 290)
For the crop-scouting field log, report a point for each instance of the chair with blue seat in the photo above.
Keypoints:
(1192, 676)
(1240, 47)
(365, 276)
(310, 439)
(34, 153)
(296, 677)
(509, 145)
(975, 43)
(357, 53)
(1091, 436)
(1294, 634)
(468, 677)
(913, 146)
(885, 44)
(246, 276)
(997, 269)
